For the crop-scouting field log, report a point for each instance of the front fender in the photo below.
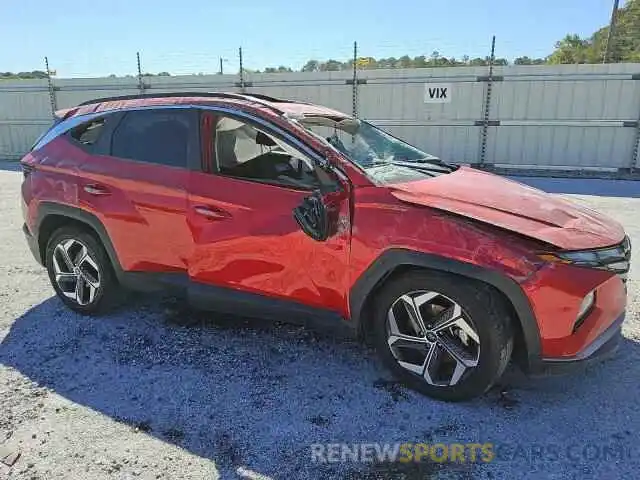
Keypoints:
(392, 259)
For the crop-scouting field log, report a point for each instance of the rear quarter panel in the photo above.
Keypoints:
(144, 213)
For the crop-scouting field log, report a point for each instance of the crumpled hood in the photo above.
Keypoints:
(513, 206)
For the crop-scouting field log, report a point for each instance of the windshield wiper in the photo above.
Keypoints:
(429, 159)
(426, 169)
(426, 164)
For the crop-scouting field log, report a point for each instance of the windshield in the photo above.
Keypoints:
(384, 157)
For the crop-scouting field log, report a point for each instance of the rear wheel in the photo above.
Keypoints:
(443, 335)
(80, 271)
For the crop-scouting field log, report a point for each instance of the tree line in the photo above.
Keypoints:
(32, 74)
(572, 49)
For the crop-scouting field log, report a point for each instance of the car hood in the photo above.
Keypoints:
(513, 206)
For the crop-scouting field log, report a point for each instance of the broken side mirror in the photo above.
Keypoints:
(312, 217)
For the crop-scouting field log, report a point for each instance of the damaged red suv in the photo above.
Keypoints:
(281, 209)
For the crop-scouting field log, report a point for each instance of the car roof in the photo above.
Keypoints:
(247, 101)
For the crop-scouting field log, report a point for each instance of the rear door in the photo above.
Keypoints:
(139, 188)
(246, 238)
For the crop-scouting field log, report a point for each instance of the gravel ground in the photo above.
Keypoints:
(158, 391)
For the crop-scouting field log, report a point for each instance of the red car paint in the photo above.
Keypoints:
(257, 246)
(241, 234)
(513, 206)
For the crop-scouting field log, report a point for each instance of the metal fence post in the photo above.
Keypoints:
(354, 89)
(611, 36)
(52, 89)
(487, 104)
(141, 85)
(635, 156)
(242, 85)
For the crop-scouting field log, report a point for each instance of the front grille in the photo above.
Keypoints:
(615, 259)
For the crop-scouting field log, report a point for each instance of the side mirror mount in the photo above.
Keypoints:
(264, 140)
(312, 217)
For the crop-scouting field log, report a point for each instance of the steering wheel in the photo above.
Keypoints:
(283, 167)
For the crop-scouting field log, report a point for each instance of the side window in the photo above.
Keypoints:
(154, 136)
(242, 150)
(89, 132)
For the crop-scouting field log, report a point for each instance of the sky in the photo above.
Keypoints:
(96, 38)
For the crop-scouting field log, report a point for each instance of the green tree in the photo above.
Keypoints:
(571, 49)
(478, 62)
(387, 62)
(625, 41)
(331, 66)
(529, 61)
(420, 61)
(405, 61)
(311, 66)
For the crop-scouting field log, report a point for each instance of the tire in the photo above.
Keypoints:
(96, 266)
(478, 343)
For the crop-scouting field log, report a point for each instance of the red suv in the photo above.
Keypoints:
(275, 208)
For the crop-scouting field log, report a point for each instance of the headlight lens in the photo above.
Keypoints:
(615, 259)
(590, 258)
(577, 258)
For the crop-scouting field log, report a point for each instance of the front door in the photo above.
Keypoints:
(241, 216)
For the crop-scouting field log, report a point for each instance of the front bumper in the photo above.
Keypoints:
(33, 243)
(603, 347)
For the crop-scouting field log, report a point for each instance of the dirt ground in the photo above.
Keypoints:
(156, 391)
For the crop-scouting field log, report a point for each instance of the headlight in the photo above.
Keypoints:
(615, 259)
(584, 257)
(573, 258)
(597, 258)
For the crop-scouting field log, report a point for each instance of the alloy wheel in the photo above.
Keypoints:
(76, 271)
(430, 335)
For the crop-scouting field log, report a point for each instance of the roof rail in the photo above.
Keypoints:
(257, 98)
(260, 96)
(268, 98)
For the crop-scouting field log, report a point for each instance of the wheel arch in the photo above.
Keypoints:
(52, 216)
(395, 262)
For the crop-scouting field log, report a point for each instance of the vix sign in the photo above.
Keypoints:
(437, 93)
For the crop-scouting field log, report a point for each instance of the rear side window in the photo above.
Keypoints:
(154, 136)
(88, 133)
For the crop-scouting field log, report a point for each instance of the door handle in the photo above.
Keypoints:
(212, 212)
(97, 190)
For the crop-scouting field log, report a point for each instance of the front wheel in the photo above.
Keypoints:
(443, 335)
(80, 271)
